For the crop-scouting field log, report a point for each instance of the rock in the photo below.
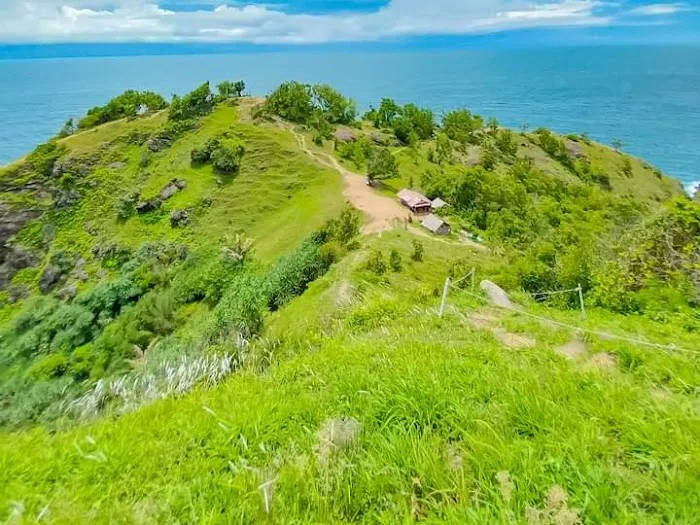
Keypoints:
(68, 292)
(379, 140)
(574, 149)
(344, 135)
(63, 198)
(158, 143)
(150, 205)
(496, 294)
(117, 165)
(179, 218)
(13, 259)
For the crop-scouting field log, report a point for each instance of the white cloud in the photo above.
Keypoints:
(146, 21)
(660, 9)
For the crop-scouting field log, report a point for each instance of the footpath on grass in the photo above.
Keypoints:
(382, 212)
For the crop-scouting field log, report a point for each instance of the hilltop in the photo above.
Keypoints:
(216, 308)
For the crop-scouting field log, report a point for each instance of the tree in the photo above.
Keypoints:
(293, 101)
(67, 129)
(414, 119)
(228, 89)
(505, 141)
(387, 112)
(492, 126)
(443, 149)
(129, 104)
(194, 104)
(382, 165)
(335, 107)
(460, 125)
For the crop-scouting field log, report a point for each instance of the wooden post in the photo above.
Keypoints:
(580, 298)
(445, 291)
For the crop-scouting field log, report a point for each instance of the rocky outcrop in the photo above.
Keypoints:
(158, 143)
(56, 271)
(13, 258)
(496, 294)
(179, 218)
(153, 204)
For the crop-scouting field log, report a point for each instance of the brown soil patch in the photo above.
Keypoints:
(515, 341)
(572, 350)
(602, 361)
(481, 320)
(383, 212)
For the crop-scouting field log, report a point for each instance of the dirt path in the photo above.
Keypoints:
(382, 212)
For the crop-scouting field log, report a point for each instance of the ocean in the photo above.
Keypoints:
(647, 97)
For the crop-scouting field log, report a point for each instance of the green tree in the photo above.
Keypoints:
(67, 129)
(228, 89)
(386, 113)
(335, 108)
(382, 165)
(293, 101)
(505, 141)
(460, 125)
(443, 149)
(194, 104)
(129, 104)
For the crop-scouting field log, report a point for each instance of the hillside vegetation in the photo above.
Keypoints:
(195, 330)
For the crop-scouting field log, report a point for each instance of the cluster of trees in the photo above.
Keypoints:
(128, 104)
(316, 105)
(225, 154)
(409, 123)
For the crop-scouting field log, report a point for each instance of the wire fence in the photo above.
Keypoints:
(520, 311)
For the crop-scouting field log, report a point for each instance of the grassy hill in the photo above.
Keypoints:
(195, 329)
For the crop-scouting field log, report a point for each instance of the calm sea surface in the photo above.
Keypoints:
(648, 97)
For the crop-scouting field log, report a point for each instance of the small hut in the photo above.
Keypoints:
(436, 225)
(414, 201)
(439, 203)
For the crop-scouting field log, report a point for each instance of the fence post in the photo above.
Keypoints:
(580, 298)
(445, 291)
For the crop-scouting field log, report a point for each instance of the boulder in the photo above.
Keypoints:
(68, 292)
(179, 218)
(496, 294)
(574, 149)
(158, 143)
(344, 135)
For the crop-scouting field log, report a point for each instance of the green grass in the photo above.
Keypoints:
(444, 409)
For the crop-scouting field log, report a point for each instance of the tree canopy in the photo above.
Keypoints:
(128, 104)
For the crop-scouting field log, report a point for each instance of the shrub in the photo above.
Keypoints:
(292, 101)
(49, 367)
(228, 89)
(418, 249)
(126, 206)
(376, 262)
(292, 274)
(227, 156)
(192, 105)
(44, 157)
(240, 310)
(395, 261)
(199, 156)
(460, 125)
(128, 104)
(382, 165)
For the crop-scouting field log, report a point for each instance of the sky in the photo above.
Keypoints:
(321, 22)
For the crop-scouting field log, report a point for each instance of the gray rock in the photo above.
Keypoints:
(574, 149)
(344, 135)
(117, 166)
(68, 292)
(158, 143)
(179, 218)
(496, 294)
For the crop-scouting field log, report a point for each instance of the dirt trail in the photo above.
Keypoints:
(383, 212)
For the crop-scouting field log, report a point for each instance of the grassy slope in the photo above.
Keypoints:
(278, 198)
(444, 408)
(645, 181)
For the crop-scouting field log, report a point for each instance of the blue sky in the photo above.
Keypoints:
(349, 22)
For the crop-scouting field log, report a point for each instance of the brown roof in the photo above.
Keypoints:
(413, 198)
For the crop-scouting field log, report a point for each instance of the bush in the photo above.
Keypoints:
(418, 250)
(376, 262)
(128, 104)
(292, 274)
(460, 125)
(382, 165)
(193, 105)
(49, 367)
(126, 206)
(240, 310)
(44, 157)
(226, 157)
(395, 261)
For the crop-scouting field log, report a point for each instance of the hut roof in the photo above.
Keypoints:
(433, 223)
(439, 203)
(413, 198)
